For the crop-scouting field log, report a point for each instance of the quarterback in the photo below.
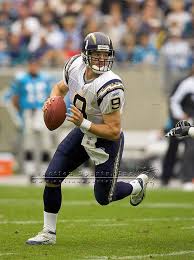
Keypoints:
(97, 96)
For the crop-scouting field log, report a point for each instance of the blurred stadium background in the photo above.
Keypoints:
(153, 41)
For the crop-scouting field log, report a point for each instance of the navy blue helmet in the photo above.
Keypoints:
(98, 42)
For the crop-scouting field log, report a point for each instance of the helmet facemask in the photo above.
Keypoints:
(97, 64)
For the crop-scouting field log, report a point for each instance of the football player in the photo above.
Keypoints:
(97, 96)
(28, 93)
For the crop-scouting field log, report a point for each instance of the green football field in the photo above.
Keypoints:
(162, 227)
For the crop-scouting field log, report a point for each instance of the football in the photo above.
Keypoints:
(55, 114)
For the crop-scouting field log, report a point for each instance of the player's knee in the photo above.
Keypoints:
(52, 185)
(101, 195)
(48, 177)
(52, 179)
(102, 201)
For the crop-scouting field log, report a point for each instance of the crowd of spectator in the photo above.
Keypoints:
(142, 31)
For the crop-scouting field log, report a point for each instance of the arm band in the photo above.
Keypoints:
(86, 124)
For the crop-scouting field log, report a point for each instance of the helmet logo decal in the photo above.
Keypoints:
(93, 37)
(103, 47)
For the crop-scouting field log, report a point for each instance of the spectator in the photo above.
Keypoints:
(92, 26)
(115, 26)
(132, 8)
(5, 20)
(150, 12)
(44, 52)
(35, 41)
(177, 52)
(157, 33)
(132, 25)
(55, 37)
(188, 31)
(31, 24)
(4, 55)
(88, 12)
(71, 33)
(17, 51)
(125, 53)
(145, 53)
(72, 7)
(177, 17)
(65, 23)
(9, 8)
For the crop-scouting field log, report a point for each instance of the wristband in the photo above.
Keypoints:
(86, 124)
(191, 131)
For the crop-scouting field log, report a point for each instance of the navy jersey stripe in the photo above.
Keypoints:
(116, 168)
(99, 100)
(108, 83)
(67, 66)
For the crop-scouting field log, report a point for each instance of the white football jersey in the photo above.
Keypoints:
(103, 95)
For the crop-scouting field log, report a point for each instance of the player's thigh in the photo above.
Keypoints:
(69, 155)
(106, 173)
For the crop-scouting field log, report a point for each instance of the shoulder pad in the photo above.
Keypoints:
(108, 87)
(68, 65)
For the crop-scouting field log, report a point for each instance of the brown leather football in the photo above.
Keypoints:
(55, 114)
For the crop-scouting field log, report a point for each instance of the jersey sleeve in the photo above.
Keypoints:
(67, 68)
(178, 97)
(110, 97)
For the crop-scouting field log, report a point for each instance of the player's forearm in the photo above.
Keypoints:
(59, 89)
(56, 92)
(109, 130)
(105, 131)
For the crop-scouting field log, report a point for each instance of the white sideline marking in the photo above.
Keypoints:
(144, 220)
(153, 255)
(39, 201)
(92, 221)
(4, 254)
(26, 222)
(138, 256)
(97, 257)
(165, 205)
(93, 202)
(111, 225)
(168, 205)
(163, 219)
(192, 227)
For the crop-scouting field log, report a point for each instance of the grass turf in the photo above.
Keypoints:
(163, 224)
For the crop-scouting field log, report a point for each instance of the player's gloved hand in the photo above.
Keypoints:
(183, 123)
(179, 131)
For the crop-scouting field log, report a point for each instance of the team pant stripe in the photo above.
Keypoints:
(115, 170)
